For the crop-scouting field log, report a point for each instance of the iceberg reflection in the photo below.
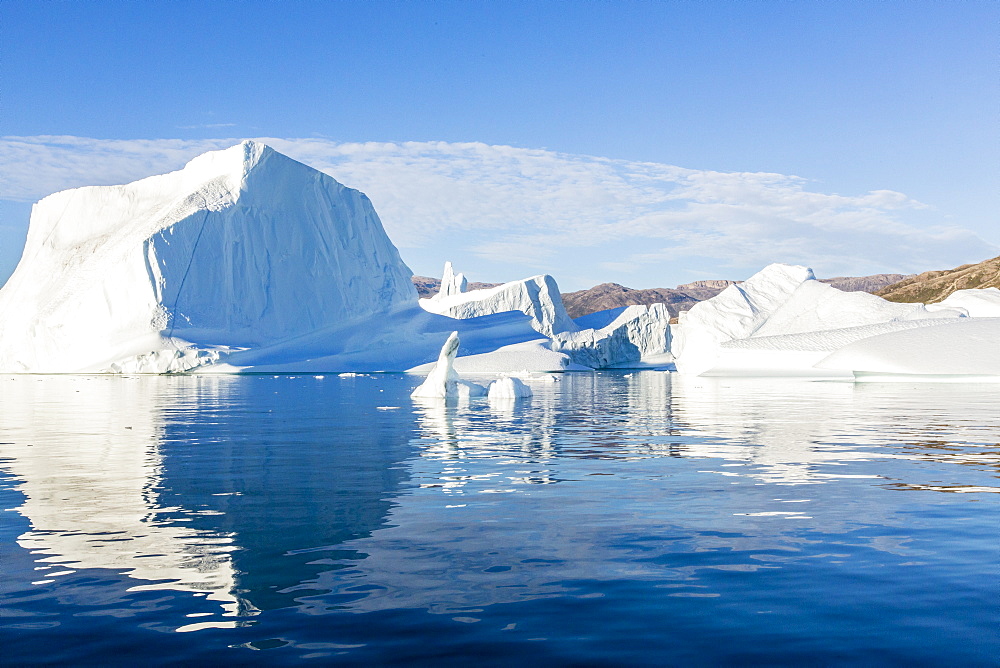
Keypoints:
(782, 431)
(87, 453)
(452, 431)
(792, 432)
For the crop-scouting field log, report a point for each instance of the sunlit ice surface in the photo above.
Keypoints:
(636, 518)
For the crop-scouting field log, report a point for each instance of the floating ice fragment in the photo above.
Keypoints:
(508, 388)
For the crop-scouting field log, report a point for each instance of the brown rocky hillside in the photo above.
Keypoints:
(612, 295)
(933, 286)
(872, 283)
(683, 297)
(428, 287)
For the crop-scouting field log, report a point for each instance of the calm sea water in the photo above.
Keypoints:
(639, 519)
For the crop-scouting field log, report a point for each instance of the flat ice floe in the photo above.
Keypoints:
(527, 356)
(963, 349)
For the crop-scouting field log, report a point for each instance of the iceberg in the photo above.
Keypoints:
(533, 355)
(957, 350)
(241, 249)
(782, 321)
(634, 335)
(735, 313)
(508, 388)
(246, 260)
(798, 354)
(976, 302)
(443, 381)
(815, 306)
(625, 336)
(537, 297)
(452, 284)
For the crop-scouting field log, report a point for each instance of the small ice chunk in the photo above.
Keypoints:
(508, 388)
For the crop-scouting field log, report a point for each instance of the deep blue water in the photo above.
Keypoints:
(615, 518)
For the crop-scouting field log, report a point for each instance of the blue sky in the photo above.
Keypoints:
(577, 106)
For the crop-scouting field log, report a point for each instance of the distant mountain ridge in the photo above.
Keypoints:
(428, 287)
(872, 283)
(934, 286)
(683, 297)
(612, 295)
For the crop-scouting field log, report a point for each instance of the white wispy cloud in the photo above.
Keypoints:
(535, 210)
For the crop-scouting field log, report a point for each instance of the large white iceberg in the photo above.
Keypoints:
(735, 313)
(242, 248)
(242, 260)
(782, 321)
